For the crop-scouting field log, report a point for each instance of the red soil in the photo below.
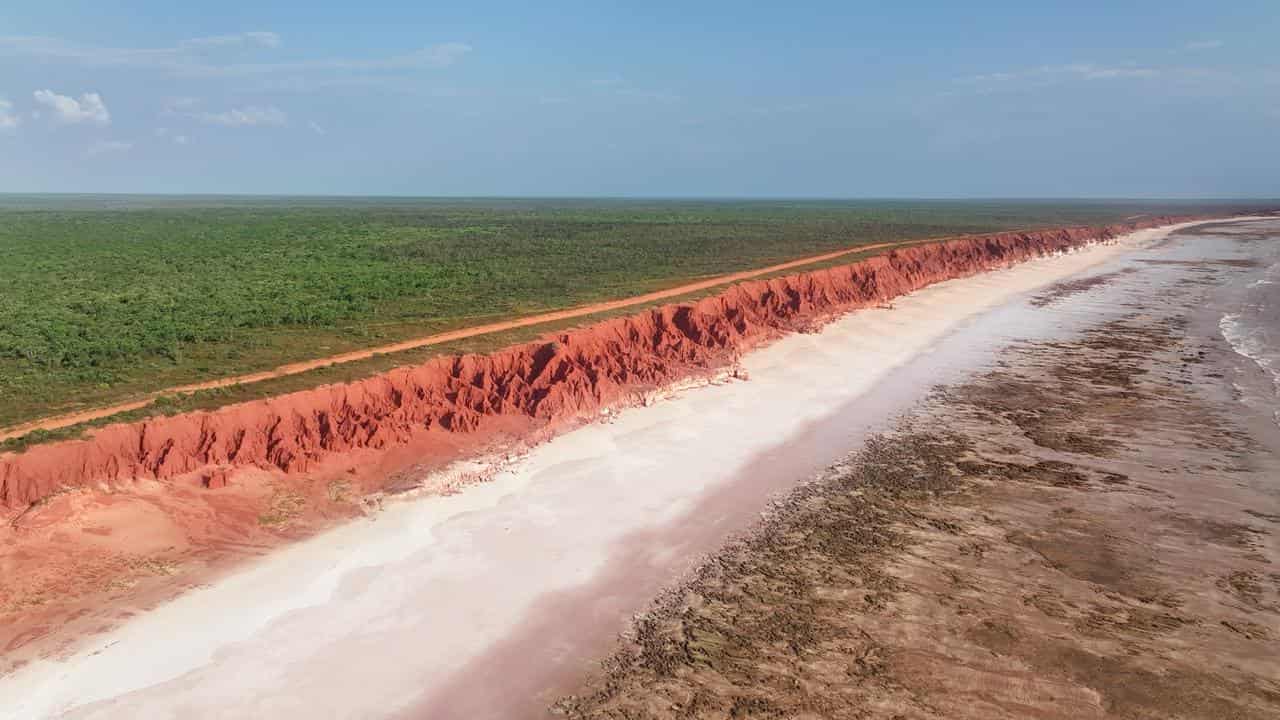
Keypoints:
(534, 385)
(82, 416)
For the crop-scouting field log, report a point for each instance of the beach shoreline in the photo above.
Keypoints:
(933, 315)
(1087, 529)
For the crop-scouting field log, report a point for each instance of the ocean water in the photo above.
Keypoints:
(1250, 321)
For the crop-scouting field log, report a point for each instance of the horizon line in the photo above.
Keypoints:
(1059, 198)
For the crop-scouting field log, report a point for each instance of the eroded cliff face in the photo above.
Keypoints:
(568, 376)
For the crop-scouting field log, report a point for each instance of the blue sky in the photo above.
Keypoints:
(829, 99)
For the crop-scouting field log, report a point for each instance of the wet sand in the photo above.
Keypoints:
(496, 601)
(1089, 528)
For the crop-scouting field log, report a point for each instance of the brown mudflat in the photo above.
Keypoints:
(1087, 531)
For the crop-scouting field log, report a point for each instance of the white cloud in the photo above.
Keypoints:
(618, 86)
(190, 57)
(179, 107)
(787, 109)
(8, 119)
(658, 96)
(996, 77)
(1049, 74)
(248, 116)
(315, 127)
(104, 147)
(67, 110)
(1204, 45)
(1105, 73)
(164, 132)
(432, 56)
(265, 39)
(259, 39)
(245, 117)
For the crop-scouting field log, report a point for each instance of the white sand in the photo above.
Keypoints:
(376, 616)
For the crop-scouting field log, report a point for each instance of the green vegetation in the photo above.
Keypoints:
(179, 403)
(107, 298)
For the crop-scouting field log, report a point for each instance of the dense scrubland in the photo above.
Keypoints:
(107, 297)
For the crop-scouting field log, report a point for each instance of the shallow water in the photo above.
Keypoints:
(1238, 268)
(1250, 320)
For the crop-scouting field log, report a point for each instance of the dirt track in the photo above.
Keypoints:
(67, 420)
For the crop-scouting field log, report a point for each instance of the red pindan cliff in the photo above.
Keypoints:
(568, 376)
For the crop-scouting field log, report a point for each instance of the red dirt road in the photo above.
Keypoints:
(56, 422)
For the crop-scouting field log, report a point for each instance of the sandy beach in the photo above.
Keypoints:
(501, 600)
